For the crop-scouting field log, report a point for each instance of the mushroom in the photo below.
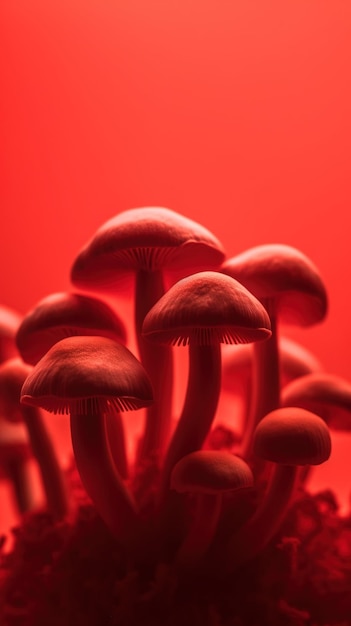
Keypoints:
(290, 438)
(203, 311)
(147, 241)
(13, 373)
(206, 475)
(65, 314)
(88, 377)
(290, 287)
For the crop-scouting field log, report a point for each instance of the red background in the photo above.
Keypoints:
(235, 113)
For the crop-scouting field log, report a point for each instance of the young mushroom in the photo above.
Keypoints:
(66, 314)
(290, 438)
(290, 287)
(147, 242)
(13, 373)
(203, 311)
(206, 475)
(88, 377)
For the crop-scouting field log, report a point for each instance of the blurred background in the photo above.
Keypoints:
(234, 113)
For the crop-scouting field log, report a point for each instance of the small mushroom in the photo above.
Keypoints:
(9, 323)
(207, 475)
(290, 438)
(15, 454)
(88, 377)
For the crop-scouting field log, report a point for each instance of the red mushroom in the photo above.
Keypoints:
(15, 453)
(88, 377)
(147, 241)
(9, 323)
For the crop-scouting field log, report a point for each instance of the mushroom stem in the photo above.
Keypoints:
(204, 383)
(116, 439)
(51, 474)
(21, 483)
(266, 521)
(99, 475)
(266, 383)
(158, 363)
(201, 532)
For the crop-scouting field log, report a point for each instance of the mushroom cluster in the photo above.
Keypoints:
(208, 518)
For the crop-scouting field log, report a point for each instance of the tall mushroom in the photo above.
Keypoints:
(65, 314)
(203, 311)
(87, 377)
(290, 287)
(146, 242)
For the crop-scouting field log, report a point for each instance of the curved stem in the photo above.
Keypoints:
(51, 474)
(158, 363)
(202, 531)
(99, 476)
(266, 521)
(116, 439)
(204, 383)
(266, 383)
(21, 483)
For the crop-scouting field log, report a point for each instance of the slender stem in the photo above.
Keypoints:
(99, 475)
(266, 383)
(266, 521)
(116, 439)
(202, 531)
(53, 480)
(158, 363)
(21, 483)
(199, 408)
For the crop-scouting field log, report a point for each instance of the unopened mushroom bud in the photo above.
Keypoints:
(207, 475)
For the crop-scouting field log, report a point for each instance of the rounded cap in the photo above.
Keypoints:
(325, 394)
(283, 275)
(86, 374)
(63, 315)
(210, 472)
(13, 373)
(148, 238)
(292, 436)
(207, 308)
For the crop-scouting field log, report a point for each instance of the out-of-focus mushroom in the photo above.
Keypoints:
(207, 475)
(290, 287)
(88, 377)
(203, 311)
(147, 242)
(9, 323)
(13, 373)
(15, 454)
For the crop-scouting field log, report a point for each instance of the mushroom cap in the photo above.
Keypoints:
(285, 276)
(207, 308)
(13, 373)
(61, 315)
(85, 374)
(292, 436)
(148, 238)
(9, 323)
(210, 472)
(325, 394)
(294, 361)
